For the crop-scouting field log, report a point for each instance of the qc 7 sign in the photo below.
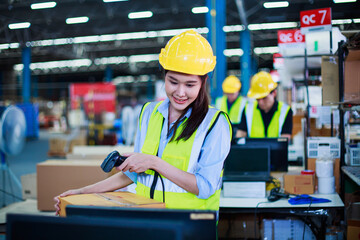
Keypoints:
(315, 20)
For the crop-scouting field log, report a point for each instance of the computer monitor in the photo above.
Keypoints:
(278, 150)
(247, 163)
(28, 227)
(198, 224)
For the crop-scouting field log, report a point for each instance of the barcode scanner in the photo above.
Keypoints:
(275, 195)
(114, 159)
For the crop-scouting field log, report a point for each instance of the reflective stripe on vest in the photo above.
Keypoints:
(255, 123)
(180, 154)
(236, 109)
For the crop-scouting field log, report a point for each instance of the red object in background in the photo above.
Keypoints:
(290, 36)
(93, 97)
(315, 20)
(307, 172)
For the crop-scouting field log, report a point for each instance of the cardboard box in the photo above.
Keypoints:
(113, 199)
(56, 176)
(299, 184)
(297, 125)
(352, 77)
(28, 183)
(62, 145)
(330, 80)
(353, 229)
(57, 146)
(238, 226)
(311, 165)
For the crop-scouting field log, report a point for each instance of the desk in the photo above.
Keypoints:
(226, 202)
(353, 173)
(316, 216)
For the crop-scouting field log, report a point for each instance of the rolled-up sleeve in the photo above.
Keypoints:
(213, 153)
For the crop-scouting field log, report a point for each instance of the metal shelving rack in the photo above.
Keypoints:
(343, 108)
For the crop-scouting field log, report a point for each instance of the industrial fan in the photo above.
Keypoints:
(12, 140)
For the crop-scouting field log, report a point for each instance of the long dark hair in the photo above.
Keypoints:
(200, 107)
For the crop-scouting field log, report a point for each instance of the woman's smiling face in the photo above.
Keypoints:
(181, 89)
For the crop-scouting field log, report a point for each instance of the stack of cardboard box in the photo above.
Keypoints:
(296, 183)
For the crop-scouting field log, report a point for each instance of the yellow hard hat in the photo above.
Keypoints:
(261, 85)
(231, 84)
(188, 52)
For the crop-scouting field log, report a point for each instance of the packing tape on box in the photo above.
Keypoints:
(324, 168)
(326, 185)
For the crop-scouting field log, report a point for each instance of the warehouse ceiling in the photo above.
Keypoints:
(107, 20)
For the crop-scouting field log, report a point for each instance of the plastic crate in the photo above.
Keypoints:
(354, 156)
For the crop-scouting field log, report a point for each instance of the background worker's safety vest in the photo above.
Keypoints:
(255, 123)
(235, 110)
(180, 154)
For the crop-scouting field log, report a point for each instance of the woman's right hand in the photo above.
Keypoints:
(64, 194)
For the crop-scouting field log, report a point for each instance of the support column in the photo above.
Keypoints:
(245, 61)
(26, 59)
(215, 21)
(35, 86)
(108, 74)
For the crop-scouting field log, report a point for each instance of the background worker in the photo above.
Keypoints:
(265, 117)
(232, 102)
(179, 139)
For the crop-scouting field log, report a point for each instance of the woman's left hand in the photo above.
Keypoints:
(137, 162)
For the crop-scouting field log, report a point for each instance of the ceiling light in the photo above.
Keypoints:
(280, 4)
(341, 21)
(266, 50)
(233, 52)
(19, 25)
(344, 1)
(197, 10)
(144, 14)
(9, 45)
(43, 5)
(107, 1)
(356, 20)
(56, 64)
(278, 25)
(76, 20)
(234, 28)
(144, 58)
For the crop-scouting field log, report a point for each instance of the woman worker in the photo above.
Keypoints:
(180, 138)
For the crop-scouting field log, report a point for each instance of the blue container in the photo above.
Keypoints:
(31, 112)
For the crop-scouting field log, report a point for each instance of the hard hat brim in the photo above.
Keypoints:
(256, 95)
(230, 90)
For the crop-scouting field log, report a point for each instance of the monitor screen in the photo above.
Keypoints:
(251, 159)
(25, 226)
(198, 224)
(278, 150)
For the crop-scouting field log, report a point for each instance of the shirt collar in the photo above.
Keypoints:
(164, 109)
(273, 108)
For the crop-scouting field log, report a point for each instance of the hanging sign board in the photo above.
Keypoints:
(315, 20)
(290, 36)
(93, 97)
(291, 42)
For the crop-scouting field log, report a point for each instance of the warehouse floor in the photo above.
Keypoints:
(34, 151)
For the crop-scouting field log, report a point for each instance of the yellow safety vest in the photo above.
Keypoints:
(179, 155)
(235, 110)
(255, 123)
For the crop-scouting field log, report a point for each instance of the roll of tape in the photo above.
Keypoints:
(326, 185)
(324, 168)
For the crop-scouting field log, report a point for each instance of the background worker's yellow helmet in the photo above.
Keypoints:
(188, 52)
(231, 84)
(261, 85)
